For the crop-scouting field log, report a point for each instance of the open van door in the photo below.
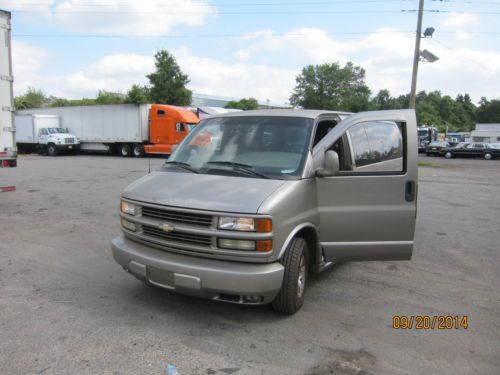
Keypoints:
(367, 194)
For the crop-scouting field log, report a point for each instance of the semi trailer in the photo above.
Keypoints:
(8, 150)
(126, 129)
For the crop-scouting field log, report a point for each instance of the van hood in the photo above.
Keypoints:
(202, 191)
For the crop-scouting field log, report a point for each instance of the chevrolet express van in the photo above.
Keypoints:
(251, 203)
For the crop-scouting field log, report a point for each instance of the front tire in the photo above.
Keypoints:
(51, 149)
(488, 156)
(448, 155)
(296, 261)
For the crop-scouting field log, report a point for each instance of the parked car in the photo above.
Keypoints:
(436, 148)
(484, 150)
(269, 196)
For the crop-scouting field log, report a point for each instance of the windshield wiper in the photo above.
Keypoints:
(248, 169)
(182, 165)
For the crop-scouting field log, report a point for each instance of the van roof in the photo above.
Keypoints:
(306, 113)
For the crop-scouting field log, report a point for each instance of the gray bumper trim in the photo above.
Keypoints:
(202, 277)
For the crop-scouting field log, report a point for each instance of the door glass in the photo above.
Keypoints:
(377, 146)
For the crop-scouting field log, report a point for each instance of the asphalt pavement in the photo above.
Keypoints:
(67, 308)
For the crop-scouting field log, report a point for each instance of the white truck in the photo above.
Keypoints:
(45, 134)
(8, 150)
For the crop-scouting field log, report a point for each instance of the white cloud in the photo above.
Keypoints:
(462, 35)
(312, 43)
(211, 76)
(131, 17)
(460, 20)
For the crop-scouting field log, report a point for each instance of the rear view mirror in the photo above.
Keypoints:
(331, 165)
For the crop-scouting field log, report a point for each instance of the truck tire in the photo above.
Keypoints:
(125, 150)
(51, 149)
(138, 150)
(296, 261)
(448, 155)
(488, 156)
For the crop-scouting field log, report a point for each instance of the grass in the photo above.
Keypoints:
(425, 164)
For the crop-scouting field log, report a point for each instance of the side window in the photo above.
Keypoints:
(179, 127)
(160, 113)
(377, 146)
(43, 131)
(322, 129)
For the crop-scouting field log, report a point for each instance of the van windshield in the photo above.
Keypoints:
(247, 146)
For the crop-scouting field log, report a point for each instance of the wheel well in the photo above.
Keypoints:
(311, 237)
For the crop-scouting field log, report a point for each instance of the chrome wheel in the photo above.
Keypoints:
(301, 280)
(488, 156)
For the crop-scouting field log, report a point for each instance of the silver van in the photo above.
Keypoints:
(251, 203)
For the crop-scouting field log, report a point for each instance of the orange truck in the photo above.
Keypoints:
(125, 129)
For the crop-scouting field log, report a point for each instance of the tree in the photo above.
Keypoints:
(168, 83)
(32, 98)
(330, 86)
(137, 95)
(244, 104)
(488, 111)
(108, 97)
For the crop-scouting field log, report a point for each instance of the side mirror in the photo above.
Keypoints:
(331, 166)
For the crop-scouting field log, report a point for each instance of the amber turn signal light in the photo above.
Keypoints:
(264, 225)
(264, 245)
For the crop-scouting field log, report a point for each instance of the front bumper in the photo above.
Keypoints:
(64, 147)
(206, 278)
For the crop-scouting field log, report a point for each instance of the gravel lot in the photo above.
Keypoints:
(67, 308)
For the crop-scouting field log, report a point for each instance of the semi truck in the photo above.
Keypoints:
(126, 129)
(8, 150)
(426, 135)
(44, 134)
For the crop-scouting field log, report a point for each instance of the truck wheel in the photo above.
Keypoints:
(296, 261)
(125, 150)
(138, 150)
(448, 155)
(51, 149)
(488, 156)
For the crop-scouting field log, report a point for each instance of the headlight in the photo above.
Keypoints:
(245, 224)
(127, 208)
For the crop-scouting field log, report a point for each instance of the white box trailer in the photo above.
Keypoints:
(100, 126)
(8, 150)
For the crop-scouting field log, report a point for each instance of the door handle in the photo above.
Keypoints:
(410, 191)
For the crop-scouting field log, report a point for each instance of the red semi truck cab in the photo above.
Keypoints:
(168, 125)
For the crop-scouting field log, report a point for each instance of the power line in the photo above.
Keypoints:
(288, 3)
(117, 12)
(104, 36)
(462, 55)
(203, 3)
(241, 35)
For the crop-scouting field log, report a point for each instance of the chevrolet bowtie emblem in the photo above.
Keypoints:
(166, 227)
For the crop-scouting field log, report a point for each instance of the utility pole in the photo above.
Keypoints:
(416, 55)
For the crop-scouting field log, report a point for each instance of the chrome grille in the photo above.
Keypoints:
(195, 239)
(177, 216)
(69, 140)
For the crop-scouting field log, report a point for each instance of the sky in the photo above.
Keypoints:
(243, 48)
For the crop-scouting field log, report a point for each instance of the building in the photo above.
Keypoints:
(202, 100)
(489, 133)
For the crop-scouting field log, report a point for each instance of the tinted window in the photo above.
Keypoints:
(160, 113)
(377, 142)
